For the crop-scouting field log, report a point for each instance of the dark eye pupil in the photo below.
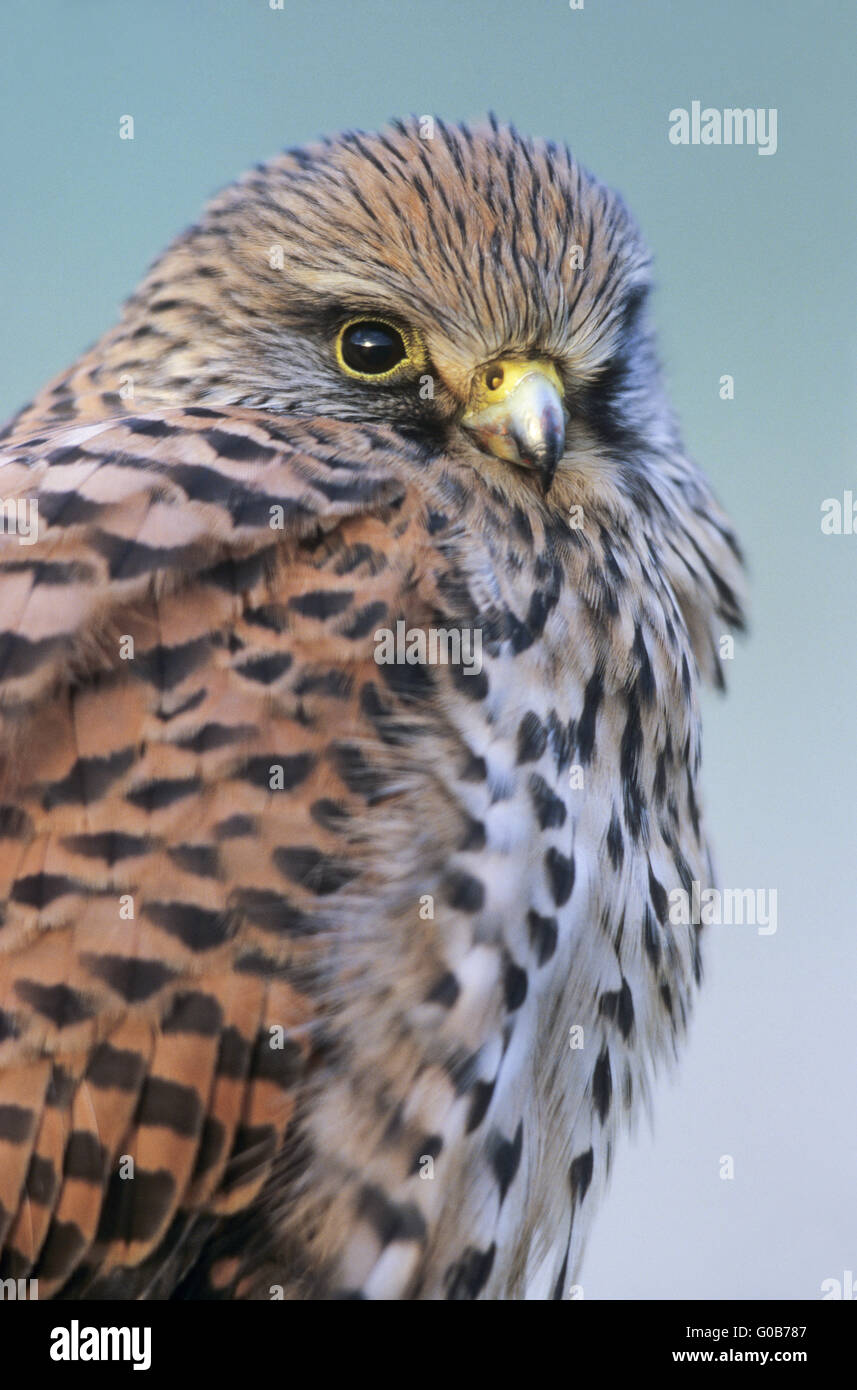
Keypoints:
(372, 348)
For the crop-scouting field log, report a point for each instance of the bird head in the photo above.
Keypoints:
(470, 286)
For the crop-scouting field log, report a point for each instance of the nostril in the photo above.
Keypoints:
(494, 378)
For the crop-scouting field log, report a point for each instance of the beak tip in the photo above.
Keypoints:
(547, 473)
(544, 456)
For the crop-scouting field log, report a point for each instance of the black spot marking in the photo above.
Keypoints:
(61, 1089)
(353, 556)
(659, 788)
(201, 860)
(390, 1221)
(696, 958)
(19, 655)
(532, 738)
(238, 446)
(514, 985)
(61, 1005)
(155, 796)
(505, 1159)
(16, 1123)
(364, 620)
(580, 1175)
(62, 509)
(651, 937)
(111, 846)
(549, 809)
(280, 1064)
(337, 684)
(480, 1098)
(322, 603)
(319, 873)
(543, 932)
(213, 736)
(692, 806)
(233, 1058)
(356, 771)
(63, 1247)
(15, 824)
(660, 902)
(645, 674)
(473, 837)
(618, 1005)
(560, 875)
(115, 1068)
(167, 667)
(131, 977)
(602, 1085)
(445, 991)
(136, 1210)
(592, 697)
(615, 843)
(237, 576)
(170, 1106)
(463, 1068)
(470, 682)
(235, 827)
(50, 573)
(212, 1142)
(561, 737)
(466, 1279)
(474, 770)
(265, 670)
(194, 1013)
(84, 1157)
(196, 927)
(39, 890)
(463, 891)
(42, 1181)
(273, 912)
(629, 766)
(129, 559)
(685, 677)
(88, 780)
(8, 1026)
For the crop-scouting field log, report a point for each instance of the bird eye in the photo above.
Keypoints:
(371, 348)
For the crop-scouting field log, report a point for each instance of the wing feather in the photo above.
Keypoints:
(177, 644)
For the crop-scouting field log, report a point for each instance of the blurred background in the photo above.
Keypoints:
(756, 279)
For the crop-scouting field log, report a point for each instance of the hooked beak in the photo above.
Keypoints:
(517, 414)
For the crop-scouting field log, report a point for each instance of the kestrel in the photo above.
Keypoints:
(355, 593)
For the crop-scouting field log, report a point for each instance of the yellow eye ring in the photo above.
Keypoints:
(370, 340)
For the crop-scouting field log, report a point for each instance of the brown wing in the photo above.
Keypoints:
(181, 651)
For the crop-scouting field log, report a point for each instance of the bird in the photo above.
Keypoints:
(334, 963)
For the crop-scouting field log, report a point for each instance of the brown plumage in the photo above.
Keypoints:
(299, 933)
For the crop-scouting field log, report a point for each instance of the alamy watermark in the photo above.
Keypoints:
(839, 518)
(433, 646)
(705, 907)
(708, 125)
(844, 1288)
(19, 516)
(76, 1343)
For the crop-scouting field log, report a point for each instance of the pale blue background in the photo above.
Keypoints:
(756, 270)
